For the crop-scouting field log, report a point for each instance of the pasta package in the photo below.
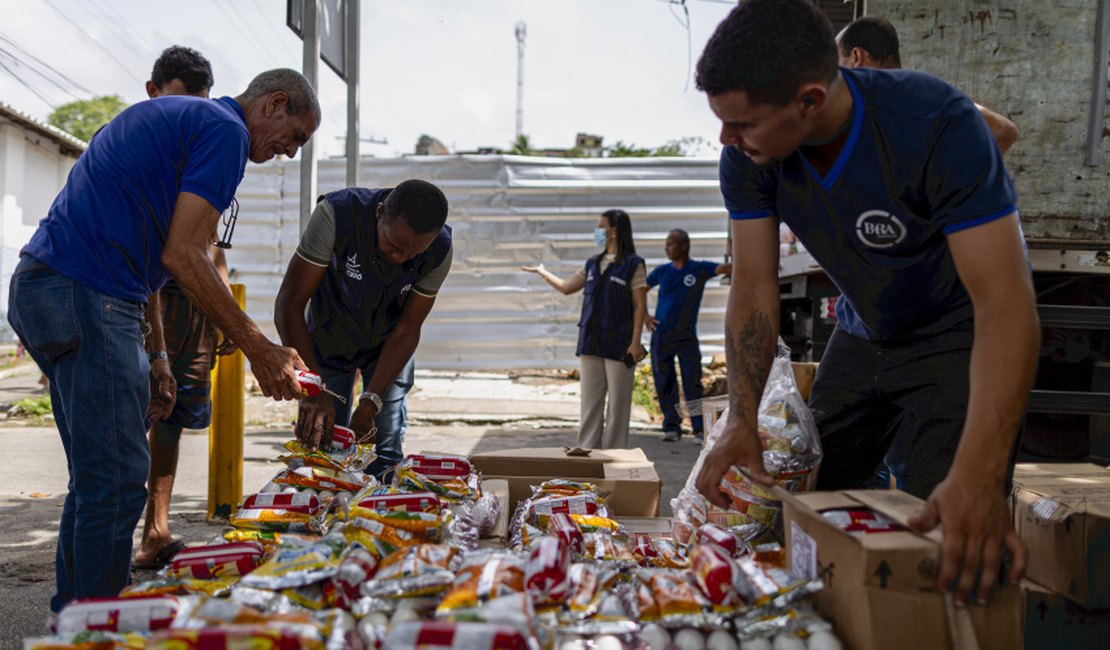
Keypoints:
(483, 577)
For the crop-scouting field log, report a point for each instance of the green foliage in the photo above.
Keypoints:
(522, 146)
(33, 406)
(643, 391)
(687, 146)
(83, 117)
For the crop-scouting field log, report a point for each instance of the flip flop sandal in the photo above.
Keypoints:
(162, 557)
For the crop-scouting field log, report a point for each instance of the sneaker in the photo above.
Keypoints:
(699, 437)
(671, 436)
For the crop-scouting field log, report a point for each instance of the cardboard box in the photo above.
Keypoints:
(804, 373)
(1053, 621)
(626, 477)
(879, 588)
(1062, 512)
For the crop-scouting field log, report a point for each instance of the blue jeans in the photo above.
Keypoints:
(90, 347)
(664, 348)
(390, 421)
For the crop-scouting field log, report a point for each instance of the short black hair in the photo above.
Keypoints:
(186, 64)
(876, 36)
(422, 205)
(768, 49)
(683, 236)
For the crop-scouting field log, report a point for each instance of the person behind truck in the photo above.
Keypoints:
(140, 205)
(190, 342)
(895, 186)
(369, 267)
(674, 330)
(613, 308)
(872, 42)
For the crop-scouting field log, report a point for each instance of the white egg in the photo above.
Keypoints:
(376, 618)
(824, 641)
(689, 639)
(270, 487)
(289, 490)
(573, 644)
(608, 642)
(721, 640)
(788, 641)
(655, 637)
(756, 644)
(310, 491)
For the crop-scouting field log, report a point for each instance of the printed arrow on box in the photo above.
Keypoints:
(884, 572)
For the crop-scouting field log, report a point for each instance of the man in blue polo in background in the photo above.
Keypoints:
(674, 329)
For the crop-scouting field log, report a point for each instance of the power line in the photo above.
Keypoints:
(26, 85)
(113, 27)
(35, 70)
(46, 65)
(266, 21)
(244, 29)
(93, 41)
(121, 18)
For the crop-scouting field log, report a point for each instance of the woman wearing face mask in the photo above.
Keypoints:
(613, 308)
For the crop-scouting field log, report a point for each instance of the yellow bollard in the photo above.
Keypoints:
(225, 435)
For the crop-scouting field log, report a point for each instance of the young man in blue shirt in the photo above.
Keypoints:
(141, 204)
(894, 184)
(674, 329)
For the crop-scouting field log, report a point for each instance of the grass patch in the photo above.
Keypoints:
(34, 407)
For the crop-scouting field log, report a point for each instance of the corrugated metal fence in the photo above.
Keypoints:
(506, 211)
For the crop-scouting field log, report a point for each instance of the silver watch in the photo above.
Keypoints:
(374, 398)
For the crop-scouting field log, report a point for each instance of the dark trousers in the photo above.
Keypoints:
(901, 403)
(665, 347)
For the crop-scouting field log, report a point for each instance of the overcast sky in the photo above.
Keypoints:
(617, 68)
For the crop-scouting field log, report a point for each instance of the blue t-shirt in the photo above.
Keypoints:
(680, 292)
(108, 226)
(918, 164)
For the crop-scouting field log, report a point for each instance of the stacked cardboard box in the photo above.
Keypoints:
(1062, 512)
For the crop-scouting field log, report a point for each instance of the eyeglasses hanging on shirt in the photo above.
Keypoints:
(228, 219)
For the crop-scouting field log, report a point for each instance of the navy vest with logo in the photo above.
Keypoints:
(362, 296)
(605, 329)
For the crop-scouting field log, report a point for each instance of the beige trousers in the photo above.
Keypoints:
(603, 377)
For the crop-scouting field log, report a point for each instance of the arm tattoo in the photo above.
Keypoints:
(749, 353)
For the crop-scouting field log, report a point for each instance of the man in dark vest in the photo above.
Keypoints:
(369, 266)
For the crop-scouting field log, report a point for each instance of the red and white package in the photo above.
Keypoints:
(862, 521)
(401, 502)
(229, 637)
(302, 502)
(714, 534)
(218, 560)
(578, 504)
(716, 575)
(438, 635)
(440, 466)
(356, 567)
(342, 438)
(562, 526)
(141, 614)
(546, 574)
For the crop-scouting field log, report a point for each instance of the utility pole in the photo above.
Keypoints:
(310, 67)
(521, 32)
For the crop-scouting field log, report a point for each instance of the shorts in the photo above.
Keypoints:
(191, 341)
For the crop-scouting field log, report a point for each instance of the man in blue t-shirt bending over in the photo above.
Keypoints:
(141, 204)
(674, 329)
(894, 184)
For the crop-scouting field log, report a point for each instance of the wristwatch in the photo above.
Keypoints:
(374, 398)
(155, 356)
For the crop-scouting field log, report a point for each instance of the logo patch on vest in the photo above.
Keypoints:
(689, 280)
(880, 229)
(619, 281)
(353, 268)
(405, 289)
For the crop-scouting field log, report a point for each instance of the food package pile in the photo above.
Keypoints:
(325, 557)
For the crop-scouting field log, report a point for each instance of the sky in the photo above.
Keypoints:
(622, 69)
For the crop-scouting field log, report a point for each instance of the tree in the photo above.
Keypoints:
(522, 146)
(687, 146)
(82, 118)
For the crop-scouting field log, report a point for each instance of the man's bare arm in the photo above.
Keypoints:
(1004, 131)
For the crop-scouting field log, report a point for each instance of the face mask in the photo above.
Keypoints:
(599, 236)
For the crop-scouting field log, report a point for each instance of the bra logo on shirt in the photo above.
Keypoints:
(689, 280)
(353, 268)
(880, 229)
